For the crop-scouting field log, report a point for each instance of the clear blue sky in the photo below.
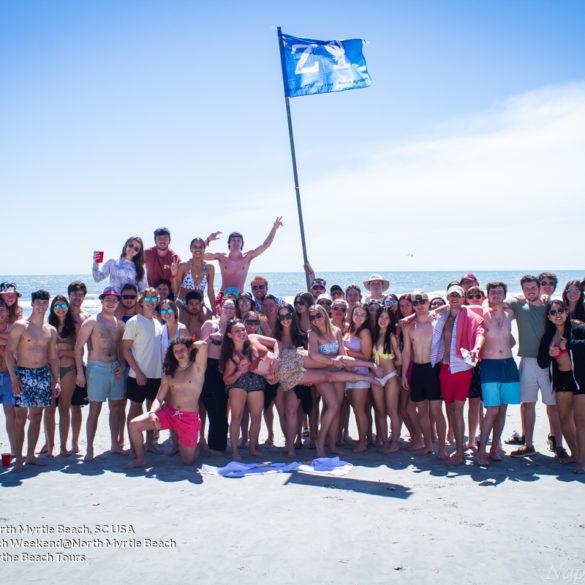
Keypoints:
(465, 153)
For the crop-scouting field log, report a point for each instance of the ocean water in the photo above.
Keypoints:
(287, 284)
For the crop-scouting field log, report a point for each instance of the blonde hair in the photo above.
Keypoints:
(326, 320)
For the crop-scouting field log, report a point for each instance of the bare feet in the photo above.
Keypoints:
(483, 459)
(298, 444)
(416, 446)
(469, 446)
(579, 469)
(291, 453)
(392, 447)
(336, 451)
(117, 450)
(236, 456)
(269, 440)
(424, 450)
(152, 448)
(89, 455)
(320, 449)
(566, 460)
(18, 465)
(242, 442)
(64, 453)
(136, 463)
(44, 449)
(360, 447)
(442, 455)
(74, 448)
(35, 461)
(456, 459)
(495, 455)
(215, 452)
(255, 452)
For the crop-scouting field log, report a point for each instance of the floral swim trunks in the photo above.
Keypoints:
(36, 383)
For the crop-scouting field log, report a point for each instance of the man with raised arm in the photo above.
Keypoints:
(35, 380)
(176, 405)
(235, 264)
(105, 368)
(500, 381)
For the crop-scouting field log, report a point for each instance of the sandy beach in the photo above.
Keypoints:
(391, 519)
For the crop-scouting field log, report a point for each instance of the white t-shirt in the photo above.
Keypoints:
(146, 336)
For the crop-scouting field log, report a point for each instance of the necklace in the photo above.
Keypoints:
(185, 367)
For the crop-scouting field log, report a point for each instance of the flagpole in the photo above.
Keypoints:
(292, 151)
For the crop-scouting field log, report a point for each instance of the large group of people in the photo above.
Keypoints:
(210, 366)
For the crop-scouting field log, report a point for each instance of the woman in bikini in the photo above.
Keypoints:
(239, 359)
(62, 319)
(194, 274)
(562, 348)
(358, 344)
(128, 268)
(386, 353)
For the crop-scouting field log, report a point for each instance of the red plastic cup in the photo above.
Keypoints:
(5, 459)
(99, 257)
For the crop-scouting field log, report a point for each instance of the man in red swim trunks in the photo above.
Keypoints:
(176, 405)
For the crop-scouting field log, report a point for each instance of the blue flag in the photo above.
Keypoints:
(323, 66)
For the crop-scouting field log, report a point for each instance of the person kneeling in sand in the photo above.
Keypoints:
(180, 387)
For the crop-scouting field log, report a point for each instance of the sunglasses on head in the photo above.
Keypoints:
(62, 306)
(128, 297)
(315, 316)
(151, 299)
(285, 317)
(555, 312)
(252, 322)
(164, 311)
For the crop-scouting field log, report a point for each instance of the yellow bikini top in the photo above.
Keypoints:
(378, 354)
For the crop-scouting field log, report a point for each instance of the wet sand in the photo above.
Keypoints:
(393, 519)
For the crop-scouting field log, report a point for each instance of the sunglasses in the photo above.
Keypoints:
(474, 296)
(252, 322)
(339, 309)
(135, 248)
(416, 303)
(128, 297)
(151, 299)
(258, 287)
(164, 311)
(285, 317)
(555, 312)
(573, 291)
(300, 303)
(318, 287)
(547, 283)
(390, 303)
(57, 307)
(326, 303)
(315, 316)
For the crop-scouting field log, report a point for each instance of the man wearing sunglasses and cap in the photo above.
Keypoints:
(105, 368)
(376, 285)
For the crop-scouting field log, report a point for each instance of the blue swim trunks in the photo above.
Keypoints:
(500, 382)
(6, 396)
(36, 383)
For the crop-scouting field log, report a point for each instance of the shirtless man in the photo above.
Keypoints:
(6, 395)
(457, 328)
(180, 388)
(105, 368)
(196, 314)
(425, 389)
(33, 383)
(234, 265)
(500, 381)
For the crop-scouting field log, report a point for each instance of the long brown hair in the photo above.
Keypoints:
(138, 259)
